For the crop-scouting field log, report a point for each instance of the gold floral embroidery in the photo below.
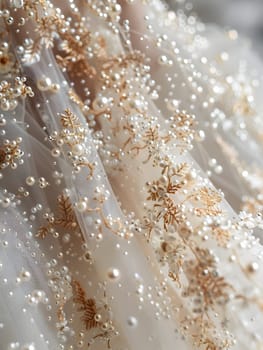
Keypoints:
(11, 154)
(94, 317)
(11, 91)
(64, 218)
(87, 306)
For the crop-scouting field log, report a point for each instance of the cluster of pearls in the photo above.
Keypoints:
(5, 14)
(110, 11)
(45, 84)
(59, 281)
(101, 194)
(24, 276)
(10, 93)
(11, 153)
(31, 181)
(213, 164)
(42, 182)
(36, 297)
(17, 346)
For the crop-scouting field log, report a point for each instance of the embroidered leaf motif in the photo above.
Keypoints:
(180, 170)
(66, 216)
(69, 120)
(86, 305)
(43, 232)
(169, 213)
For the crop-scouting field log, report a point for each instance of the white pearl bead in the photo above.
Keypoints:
(253, 267)
(30, 180)
(25, 275)
(44, 84)
(200, 135)
(32, 301)
(55, 152)
(6, 202)
(163, 59)
(132, 321)
(113, 273)
(100, 103)
(117, 8)
(218, 169)
(115, 77)
(81, 206)
(97, 317)
(173, 105)
(38, 295)
(78, 149)
(136, 104)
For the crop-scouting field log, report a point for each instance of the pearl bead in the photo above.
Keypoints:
(38, 295)
(115, 76)
(97, 317)
(113, 274)
(4, 46)
(100, 103)
(212, 162)
(30, 180)
(5, 243)
(218, 169)
(66, 238)
(253, 267)
(117, 8)
(105, 326)
(32, 301)
(88, 256)
(132, 321)
(81, 206)
(163, 60)
(232, 258)
(200, 136)
(78, 149)
(25, 275)
(6, 202)
(55, 152)
(10, 20)
(173, 105)
(44, 84)
(80, 343)
(136, 104)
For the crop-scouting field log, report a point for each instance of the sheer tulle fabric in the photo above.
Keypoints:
(115, 233)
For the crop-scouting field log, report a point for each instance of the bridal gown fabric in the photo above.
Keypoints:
(131, 137)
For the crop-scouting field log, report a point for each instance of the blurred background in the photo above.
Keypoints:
(244, 15)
